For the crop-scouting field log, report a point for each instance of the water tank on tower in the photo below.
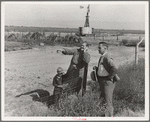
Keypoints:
(86, 30)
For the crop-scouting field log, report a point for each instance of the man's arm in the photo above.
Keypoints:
(86, 57)
(113, 68)
(68, 51)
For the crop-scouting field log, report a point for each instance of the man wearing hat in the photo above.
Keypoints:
(79, 61)
(106, 74)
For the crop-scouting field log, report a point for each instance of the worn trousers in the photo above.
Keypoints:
(106, 88)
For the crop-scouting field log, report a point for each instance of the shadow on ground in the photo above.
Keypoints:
(40, 95)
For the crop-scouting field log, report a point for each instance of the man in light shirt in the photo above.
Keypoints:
(106, 71)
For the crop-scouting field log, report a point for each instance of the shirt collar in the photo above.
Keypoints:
(104, 54)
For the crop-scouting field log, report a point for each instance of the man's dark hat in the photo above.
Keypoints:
(93, 77)
(104, 44)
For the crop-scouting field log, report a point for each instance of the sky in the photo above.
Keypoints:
(103, 15)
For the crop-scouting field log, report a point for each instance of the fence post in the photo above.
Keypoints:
(94, 36)
(103, 37)
(139, 38)
(22, 34)
(59, 33)
(136, 52)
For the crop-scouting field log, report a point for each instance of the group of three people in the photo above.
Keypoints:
(105, 71)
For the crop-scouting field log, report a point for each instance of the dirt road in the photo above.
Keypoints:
(28, 70)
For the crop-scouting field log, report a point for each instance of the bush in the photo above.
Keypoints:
(132, 42)
(128, 96)
(124, 41)
(88, 105)
(131, 88)
(142, 44)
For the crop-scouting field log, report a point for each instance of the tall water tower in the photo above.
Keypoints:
(87, 19)
(86, 30)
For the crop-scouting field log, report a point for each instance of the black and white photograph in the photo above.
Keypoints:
(74, 60)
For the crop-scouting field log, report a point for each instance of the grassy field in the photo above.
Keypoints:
(129, 94)
(125, 37)
(13, 44)
(27, 71)
(64, 30)
(129, 98)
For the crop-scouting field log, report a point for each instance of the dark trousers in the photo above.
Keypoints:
(57, 92)
(107, 88)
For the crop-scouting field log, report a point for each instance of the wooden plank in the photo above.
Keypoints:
(74, 86)
(84, 81)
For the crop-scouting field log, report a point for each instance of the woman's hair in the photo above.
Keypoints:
(104, 44)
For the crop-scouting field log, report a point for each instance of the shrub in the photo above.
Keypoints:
(142, 44)
(88, 105)
(132, 43)
(124, 41)
(132, 86)
(128, 96)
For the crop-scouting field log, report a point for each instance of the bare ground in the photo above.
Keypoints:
(29, 70)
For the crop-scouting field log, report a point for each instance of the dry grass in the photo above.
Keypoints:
(34, 69)
(130, 91)
(129, 113)
(89, 105)
(132, 85)
(129, 100)
(13, 46)
(129, 96)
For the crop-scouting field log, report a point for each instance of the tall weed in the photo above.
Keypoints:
(130, 90)
(88, 105)
(128, 96)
